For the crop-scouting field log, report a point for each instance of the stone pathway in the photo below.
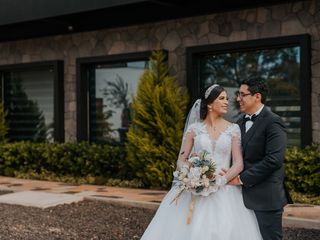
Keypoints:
(39, 199)
(45, 194)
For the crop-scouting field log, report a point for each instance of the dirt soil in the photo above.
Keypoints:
(89, 220)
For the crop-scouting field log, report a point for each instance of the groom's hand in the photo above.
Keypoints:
(235, 181)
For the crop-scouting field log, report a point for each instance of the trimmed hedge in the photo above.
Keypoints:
(303, 169)
(104, 164)
(64, 159)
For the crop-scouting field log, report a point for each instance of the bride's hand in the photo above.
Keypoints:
(223, 172)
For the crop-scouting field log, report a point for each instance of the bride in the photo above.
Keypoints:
(221, 215)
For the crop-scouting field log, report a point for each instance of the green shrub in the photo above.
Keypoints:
(158, 118)
(20, 156)
(305, 198)
(303, 169)
(76, 160)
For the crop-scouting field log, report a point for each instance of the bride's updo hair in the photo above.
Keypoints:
(209, 95)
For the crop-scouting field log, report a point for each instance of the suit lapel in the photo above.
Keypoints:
(248, 135)
(243, 131)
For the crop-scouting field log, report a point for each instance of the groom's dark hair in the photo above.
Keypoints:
(257, 85)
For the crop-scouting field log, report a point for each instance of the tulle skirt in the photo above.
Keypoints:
(219, 216)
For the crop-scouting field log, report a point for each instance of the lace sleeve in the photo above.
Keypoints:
(186, 146)
(237, 158)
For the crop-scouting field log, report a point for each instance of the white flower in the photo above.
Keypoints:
(184, 170)
(195, 173)
(204, 169)
(193, 183)
(193, 178)
(206, 182)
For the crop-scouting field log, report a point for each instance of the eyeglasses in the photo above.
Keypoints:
(242, 95)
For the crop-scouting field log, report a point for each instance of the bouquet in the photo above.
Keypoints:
(197, 176)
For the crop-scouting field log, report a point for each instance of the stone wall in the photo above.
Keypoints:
(174, 35)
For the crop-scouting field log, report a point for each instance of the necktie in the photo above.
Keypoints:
(253, 118)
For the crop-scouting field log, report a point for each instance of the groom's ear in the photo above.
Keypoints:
(258, 97)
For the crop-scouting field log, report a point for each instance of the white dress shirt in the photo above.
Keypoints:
(249, 123)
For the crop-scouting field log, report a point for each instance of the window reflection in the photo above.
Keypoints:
(112, 87)
(279, 67)
(28, 98)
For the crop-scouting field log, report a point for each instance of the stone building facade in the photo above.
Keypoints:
(295, 18)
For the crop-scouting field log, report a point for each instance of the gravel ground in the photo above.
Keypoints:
(88, 220)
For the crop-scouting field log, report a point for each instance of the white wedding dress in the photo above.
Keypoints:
(219, 216)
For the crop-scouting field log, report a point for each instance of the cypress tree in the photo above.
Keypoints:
(158, 118)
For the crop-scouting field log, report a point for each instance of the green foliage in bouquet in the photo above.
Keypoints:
(303, 169)
(158, 118)
(3, 125)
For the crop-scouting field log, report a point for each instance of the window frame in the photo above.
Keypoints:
(193, 55)
(83, 105)
(58, 91)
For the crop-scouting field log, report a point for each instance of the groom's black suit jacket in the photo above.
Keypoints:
(263, 147)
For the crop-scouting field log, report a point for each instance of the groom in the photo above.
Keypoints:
(263, 144)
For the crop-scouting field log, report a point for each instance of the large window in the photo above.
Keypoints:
(33, 97)
(106, 89)
(282, 62)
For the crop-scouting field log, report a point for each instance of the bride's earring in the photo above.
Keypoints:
(209, 108)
